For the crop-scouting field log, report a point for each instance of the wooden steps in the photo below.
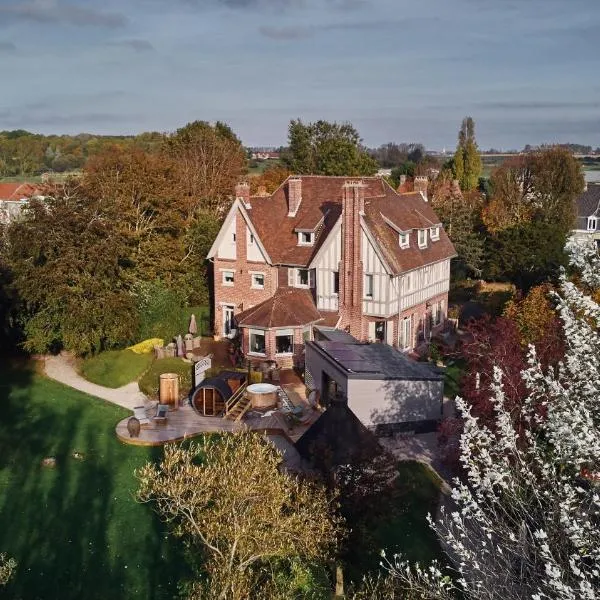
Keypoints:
(237, 406)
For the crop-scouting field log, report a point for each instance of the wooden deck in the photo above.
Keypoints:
(186, 423)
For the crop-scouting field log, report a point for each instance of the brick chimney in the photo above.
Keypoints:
(351, 268)
(421, 182)
(242, 193)
(294, 195)
(402, 181)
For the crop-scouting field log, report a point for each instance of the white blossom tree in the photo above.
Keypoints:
(525, 521)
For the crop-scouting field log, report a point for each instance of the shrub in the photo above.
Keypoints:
(146, 346)
(160, 311)
(149, 383)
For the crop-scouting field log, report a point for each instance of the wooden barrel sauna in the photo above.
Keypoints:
(263, 396)
(168, 391)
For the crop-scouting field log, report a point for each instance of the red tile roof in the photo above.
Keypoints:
(322, 199)
(289, 307)
(16, 191)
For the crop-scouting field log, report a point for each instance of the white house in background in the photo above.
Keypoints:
(588, 214)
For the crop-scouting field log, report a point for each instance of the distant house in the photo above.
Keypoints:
(588, 214)
(13, 198)
(347, 253)
(265, 155)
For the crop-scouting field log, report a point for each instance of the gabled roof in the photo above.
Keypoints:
(16, 191)
(236, 207)
(588, 203)
(321, 206)
(289, 307)
(406, 212)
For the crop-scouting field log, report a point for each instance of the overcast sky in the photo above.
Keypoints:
(526, 70)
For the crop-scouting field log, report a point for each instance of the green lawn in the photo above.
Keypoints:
(116, 368)
(404, 530)
(452, 377)
(75, 530)
(150, 381)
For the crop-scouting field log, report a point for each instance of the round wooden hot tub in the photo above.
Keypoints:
(263, 396)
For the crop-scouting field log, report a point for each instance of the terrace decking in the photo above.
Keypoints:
(186, 423)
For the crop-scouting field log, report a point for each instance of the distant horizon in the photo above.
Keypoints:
(448, 148)
(397, 70)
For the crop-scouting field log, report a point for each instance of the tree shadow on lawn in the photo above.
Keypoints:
(75, 529)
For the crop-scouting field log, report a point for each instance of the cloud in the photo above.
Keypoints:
(302, 32)
(536, 105)
(137, 45)
(56, 11)
(7, 47)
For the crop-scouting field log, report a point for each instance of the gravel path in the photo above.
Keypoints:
(61, 368)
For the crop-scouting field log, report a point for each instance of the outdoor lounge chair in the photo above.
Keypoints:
(139, 412)
(161, 414)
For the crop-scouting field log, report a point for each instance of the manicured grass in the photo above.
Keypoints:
(116, 368)
(76, 530)
(454, 372)
(404, 529)
(149, 383)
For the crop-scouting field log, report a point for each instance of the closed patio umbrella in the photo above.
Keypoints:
(193, 328)
(180, 350)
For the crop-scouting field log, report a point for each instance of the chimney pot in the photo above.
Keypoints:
(294, 195)
(242, 193)
(402, 180)
(420, 185)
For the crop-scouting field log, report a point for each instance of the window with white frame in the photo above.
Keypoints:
(368, 285)
(258, 281)
(284, 341)
(404, 239)
(256, 342)
(306, 238)
(422, 238)
(436, 313)
(434, 232)
(592, 223)
(406, 333)
(302, 278)
(228, 278)
(336, 282)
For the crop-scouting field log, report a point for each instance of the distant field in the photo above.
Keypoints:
(257, 167)
(38, 178)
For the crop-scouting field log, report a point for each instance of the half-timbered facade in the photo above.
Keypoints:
(362, 257)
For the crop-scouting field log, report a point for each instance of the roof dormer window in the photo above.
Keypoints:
(404, 239)
(422, 238)
(592, 223)
(434, 233)
(306, 238)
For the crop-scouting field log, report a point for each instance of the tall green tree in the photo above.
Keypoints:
(467, 161)
(323, 148)
(460, 214)
(210, 160)
(70, 261)
(527, 254)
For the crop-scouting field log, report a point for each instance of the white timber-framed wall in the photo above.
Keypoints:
(383, 303)
(421, 284)
(325, 264)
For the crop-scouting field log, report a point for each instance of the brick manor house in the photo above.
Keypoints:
(330, 252)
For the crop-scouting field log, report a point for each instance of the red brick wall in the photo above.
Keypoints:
(351, 268)
(283, 361)
(241, 294)
(419, 313)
